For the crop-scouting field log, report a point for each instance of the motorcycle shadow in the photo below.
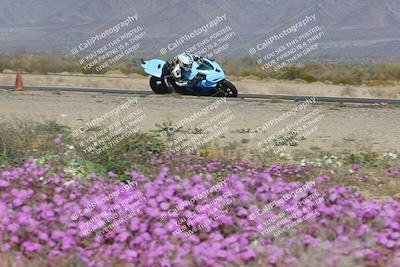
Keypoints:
(212, 93)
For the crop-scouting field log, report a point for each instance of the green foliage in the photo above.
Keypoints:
(242, 130)
(127, 154)
(45, 63)
(51, 63)
(196, 130)
(289, 138)
(337, 73)
(167, 129)
(366, 158)
(20, 139)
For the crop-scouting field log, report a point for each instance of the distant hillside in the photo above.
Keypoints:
(359, 29)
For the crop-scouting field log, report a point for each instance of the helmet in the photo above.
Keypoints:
(185, 61)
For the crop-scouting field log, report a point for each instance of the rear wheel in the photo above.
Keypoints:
(158, 86)
(226, 89)
(171, 80)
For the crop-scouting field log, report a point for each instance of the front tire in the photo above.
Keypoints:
(158, 86)
(226, 89)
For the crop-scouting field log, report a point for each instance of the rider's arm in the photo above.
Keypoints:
(175, 60)
(176, 72)
(199, 60)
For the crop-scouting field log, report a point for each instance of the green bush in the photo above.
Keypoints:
(20, 139)
(339, 73)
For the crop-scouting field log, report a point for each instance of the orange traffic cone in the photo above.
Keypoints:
(19, 86)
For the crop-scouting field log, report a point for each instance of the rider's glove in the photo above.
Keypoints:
(176, 72)
(196, 80)
(199, 60)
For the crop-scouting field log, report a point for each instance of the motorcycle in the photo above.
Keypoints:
(204, 79)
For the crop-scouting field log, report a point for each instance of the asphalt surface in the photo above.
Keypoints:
(338, 100)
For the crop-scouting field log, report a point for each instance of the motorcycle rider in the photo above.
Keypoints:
(180, 67)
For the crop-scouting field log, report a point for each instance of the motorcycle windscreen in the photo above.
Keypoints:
(154, 67)
(212, 71)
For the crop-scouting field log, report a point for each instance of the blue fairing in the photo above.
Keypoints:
(211, 70)
(153, 67)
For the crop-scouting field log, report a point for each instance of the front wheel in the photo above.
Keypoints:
(158, 86)
(226, 89)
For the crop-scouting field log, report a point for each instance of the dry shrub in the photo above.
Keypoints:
(348, 91)
(377, 92)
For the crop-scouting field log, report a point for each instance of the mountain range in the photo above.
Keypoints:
(359, 30)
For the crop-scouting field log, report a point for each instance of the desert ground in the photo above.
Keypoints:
(244, 85)
(341, 128)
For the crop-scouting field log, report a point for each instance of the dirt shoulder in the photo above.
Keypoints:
(244, 85)
(340, 128)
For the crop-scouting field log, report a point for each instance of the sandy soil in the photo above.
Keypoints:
(316, 89)
(341, 128)
(244, 85)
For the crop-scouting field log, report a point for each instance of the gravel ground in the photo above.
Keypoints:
(244, 85)
(340, 127)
